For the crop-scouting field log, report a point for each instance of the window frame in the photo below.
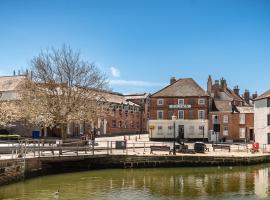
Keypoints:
(183, 112)
(201, 99)
(160, 111)
(225, 119)
(199, 117)
(160, 100)
(179, 100)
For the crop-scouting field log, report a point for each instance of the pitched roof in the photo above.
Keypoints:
(223, 105)
(245, 109)
(263, 96)
(10, 83)
(117, 98)
(182, 88)
(136, 96)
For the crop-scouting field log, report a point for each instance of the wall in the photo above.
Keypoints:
(233, 125)
(11, 171)
(260, 120)
(169, 134)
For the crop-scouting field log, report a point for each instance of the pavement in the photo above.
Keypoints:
(137, 145)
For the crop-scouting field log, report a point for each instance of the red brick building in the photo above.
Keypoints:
(186, 100)
(230, 114)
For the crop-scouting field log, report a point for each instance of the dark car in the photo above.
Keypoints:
(200, 147)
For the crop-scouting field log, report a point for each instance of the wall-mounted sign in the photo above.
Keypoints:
(179, 106)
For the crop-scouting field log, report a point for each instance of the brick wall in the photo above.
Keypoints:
(167, 112)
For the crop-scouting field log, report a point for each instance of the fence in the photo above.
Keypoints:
(42, 148)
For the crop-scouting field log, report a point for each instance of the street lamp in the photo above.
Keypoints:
(174, 119)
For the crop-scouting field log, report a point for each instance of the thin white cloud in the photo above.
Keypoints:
(134, 83)
(115, 72)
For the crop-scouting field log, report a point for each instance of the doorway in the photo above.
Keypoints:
(181, 130)
(251, 134)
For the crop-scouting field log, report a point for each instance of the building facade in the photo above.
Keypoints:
(231, 116)
(262, 120)
(186, 100)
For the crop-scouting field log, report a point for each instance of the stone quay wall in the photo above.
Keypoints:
(13, 170)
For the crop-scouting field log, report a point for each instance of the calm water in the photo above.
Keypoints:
(247, 183)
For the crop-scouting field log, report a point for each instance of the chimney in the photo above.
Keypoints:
(254, 96)
(223, 84)
(236, 90)
(209, 85)
(246, 96)
(172, 80)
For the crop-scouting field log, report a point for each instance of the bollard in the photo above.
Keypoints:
(38, 148)
(144, 147)
(111, 147)
(133, 147)
(108, 147)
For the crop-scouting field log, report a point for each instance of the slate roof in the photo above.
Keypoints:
(10, 83)
(186, 87)
(223, 106)
(117, 98)
(263, 96)
(137, 96)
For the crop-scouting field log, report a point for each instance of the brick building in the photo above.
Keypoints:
(121, 114)
(231, 116)
(186, 100)
(143, 101)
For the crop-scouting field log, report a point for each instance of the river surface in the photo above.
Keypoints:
(247, 183)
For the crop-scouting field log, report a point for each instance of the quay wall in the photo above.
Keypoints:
(15, 170)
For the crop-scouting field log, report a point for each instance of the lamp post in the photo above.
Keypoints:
(173, 119)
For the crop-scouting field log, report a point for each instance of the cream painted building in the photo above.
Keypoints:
(262, 120)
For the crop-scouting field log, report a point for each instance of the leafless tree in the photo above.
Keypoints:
(62, 88)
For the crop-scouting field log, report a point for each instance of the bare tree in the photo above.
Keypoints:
(62, 88)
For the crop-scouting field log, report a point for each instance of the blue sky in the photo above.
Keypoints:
(140, 44)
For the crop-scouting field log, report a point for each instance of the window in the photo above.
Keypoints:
(201, 114)
(214, 119)
(160, 130)
(242, 133)
(160, 102)
(268, 102)
(113, 123)
(170, 130)
(191, 114)
(225, 119)
(242, 119)
(268, 138)
(201, 101)
(120, 124)
(201, 130)
(181, 114)
(170, 114)
(138, 125)
(191, 101)
(225, 131)
(160, 114)
(181, 101)
(268, 119)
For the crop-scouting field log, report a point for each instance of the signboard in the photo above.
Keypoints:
(179, 106)
(151, 127)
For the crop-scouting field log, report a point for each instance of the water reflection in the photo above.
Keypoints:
(170, 183)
